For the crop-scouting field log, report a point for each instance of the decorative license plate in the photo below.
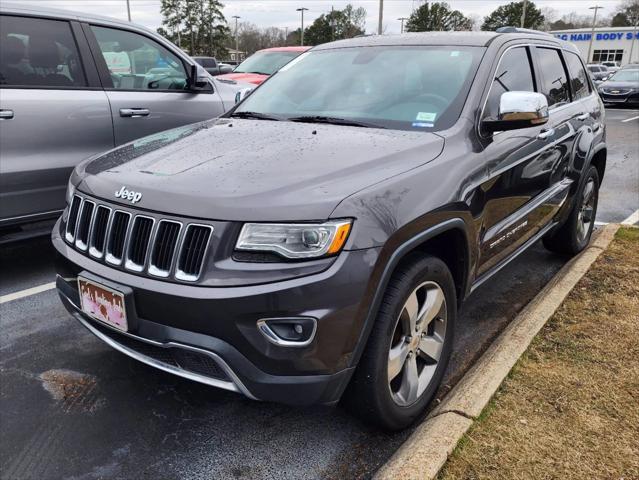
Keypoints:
(102, 303)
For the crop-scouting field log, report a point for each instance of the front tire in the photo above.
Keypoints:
(574, 235)
(409, 347)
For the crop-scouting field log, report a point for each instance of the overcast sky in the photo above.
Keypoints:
(281, 13)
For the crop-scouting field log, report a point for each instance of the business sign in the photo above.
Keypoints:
(585, 37)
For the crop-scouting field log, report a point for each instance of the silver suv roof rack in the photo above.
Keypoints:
(521, 30)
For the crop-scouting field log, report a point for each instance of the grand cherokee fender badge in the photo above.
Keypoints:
(130, 195)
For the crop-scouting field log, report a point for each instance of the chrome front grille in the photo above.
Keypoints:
(136, 242)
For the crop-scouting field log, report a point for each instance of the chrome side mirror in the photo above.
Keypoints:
(242, 94)
(519, 110)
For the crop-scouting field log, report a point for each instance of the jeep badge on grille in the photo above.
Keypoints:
(130, 195)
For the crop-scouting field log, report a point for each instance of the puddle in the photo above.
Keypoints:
(74, 390)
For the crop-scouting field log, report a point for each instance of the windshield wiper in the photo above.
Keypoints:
(333, 121)
(255, 115)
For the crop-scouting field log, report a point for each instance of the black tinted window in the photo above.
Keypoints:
(514, 73)
(578, 76)
(555, 81)
(37, 52)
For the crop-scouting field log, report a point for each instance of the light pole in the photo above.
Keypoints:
(128, 10)
(381, 17)
(592, 34)
(237, 40)
(523, 14)
(302, 10)
(402, 19)
(634, 37)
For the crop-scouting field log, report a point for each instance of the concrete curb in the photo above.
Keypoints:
(427, 449)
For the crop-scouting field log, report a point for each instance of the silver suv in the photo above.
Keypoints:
(74, 85)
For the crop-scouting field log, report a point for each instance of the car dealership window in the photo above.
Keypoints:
(607, 56)
(38, 52)
(136, 62)
(555, 80)
(514, 73)
(578, 78)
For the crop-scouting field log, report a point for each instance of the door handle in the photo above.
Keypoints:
(134, 112)
(582, 117)
(546, 134)
(6, 114)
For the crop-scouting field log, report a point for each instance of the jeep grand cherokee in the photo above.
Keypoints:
(315, 243)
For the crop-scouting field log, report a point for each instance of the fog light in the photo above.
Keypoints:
(288, 332)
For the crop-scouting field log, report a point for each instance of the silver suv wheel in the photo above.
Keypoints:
(417, 343)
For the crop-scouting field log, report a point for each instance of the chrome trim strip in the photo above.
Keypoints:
(70, 237)
(272, 337)
(128, 263)
(94, 252)
(235, 385)
(110, 258)
(79, 244)
(152, 269)
(179, 274)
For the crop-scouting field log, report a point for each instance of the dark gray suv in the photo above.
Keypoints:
(315, 243)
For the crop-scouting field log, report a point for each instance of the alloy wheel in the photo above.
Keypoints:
(586, 210)
(417, 343)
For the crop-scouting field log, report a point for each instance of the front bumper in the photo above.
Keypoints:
(210, 334)
(625, 98)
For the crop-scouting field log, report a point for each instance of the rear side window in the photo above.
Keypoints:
(554, 79)
(136, 62)
(578, 77)
(514, 73)
(38, 52)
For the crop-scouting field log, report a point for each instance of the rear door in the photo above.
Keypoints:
(146, 84)
(53, 114)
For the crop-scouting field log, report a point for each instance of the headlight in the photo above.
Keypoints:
(295, 240)
(70, 192)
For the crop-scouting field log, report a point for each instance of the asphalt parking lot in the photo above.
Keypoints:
(71, 407)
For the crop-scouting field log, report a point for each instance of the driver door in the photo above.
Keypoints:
(146, 84)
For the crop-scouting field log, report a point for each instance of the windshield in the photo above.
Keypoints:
(626, 76)
(266, 63)
(399, 87)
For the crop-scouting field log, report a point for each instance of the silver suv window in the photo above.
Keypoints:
(38, 53)
(136, 62)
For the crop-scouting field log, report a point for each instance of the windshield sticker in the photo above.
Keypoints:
(425, 117)
(454, 53)
(423, 125)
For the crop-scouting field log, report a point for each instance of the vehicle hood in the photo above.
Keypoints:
(254, 170)
(254, 78)
(613, 84)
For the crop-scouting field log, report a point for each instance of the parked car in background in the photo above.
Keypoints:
(316, 242)
(263, 63)
(598, 72)
(630, 66)
(621, 88)
(612, 66)
(212, 66)
(73, 85)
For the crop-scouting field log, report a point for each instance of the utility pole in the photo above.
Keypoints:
(128, 10)
(302, 10)
(634, 37)
(285, 36)
(523, 15)
(592, 34)
(402, 19)
(237, 40)
(332, 23)
(381, 17)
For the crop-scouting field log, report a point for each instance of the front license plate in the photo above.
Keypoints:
(102, 303)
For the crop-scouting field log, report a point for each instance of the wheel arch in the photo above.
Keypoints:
(436, 241)
(598, 159)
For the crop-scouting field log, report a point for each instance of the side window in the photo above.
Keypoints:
(38, 52)
(578, 77)
(555, 81)
(514, 73)
(136, 62)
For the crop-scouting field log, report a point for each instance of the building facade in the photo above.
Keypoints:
(609, 44)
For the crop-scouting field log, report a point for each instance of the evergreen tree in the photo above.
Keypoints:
(510, 16)
(437, 16)
(336, 25)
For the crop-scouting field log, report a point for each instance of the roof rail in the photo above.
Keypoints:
(521, 30)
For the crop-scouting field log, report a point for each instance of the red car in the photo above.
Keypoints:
(263, 63)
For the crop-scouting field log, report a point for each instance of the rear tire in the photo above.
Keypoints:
(409, 347)
(574, 235)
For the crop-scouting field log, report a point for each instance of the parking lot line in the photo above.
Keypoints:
(632, 219)
(629, 119)
(26, 293)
